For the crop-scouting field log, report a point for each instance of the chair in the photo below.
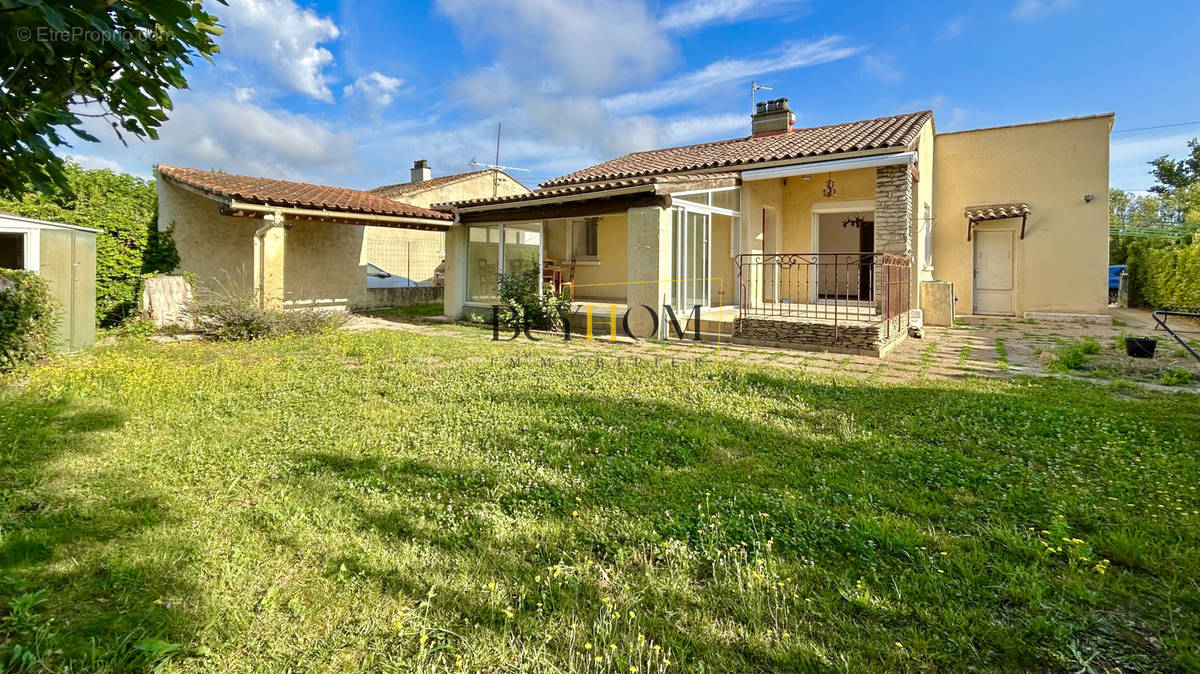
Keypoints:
(570, 282)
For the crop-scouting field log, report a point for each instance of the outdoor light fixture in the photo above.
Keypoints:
(1087, 198)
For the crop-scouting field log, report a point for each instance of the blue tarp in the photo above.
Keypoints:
(1114, 276)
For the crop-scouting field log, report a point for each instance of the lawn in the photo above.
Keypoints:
(392, 501)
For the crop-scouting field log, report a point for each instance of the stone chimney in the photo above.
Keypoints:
(771, 117)
(420, 171)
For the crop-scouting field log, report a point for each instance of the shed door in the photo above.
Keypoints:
(83, 290)
(994, 272)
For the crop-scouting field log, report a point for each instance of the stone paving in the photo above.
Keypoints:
(987, 347)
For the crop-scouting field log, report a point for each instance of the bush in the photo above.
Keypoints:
(1164, 274)
(28, 318)
(519, 292)
(129, 246)
(236, 317)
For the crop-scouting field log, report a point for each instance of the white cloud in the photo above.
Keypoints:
(954, 27)
(691, 129)
(243, 94)
(247, 138)
(88, 161)
(1129, 157)
(373, 92)
(882, 66)
(726, 71)
(284, 40)
(1035, 9)
(590, 46)
(693, 14)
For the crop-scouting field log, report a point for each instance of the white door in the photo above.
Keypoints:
(994, 272)
(690, 236)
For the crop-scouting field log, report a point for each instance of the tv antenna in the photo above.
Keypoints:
(755, 86)
(497, 166)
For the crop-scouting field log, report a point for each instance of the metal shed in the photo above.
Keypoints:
(64, 255)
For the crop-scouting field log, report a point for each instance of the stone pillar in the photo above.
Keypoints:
(455, 284)
(893, 221)
(269, 254)
(648, 266)
(893, 210)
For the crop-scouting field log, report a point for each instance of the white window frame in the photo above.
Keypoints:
(31, 241)
(582, 259)
(541, 225)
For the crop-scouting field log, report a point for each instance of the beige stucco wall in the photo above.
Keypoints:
(474, 187)
(1060, 264)
(306, 264)
(922, 195)
(412, 253)
(217, 249)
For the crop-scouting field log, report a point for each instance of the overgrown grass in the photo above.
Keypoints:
(387, 501)
(425, 310)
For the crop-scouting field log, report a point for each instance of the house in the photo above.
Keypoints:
(821, 237)
(64, 255)
(296, 244)
(413, 257)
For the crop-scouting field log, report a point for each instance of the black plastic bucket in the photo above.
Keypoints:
(1140, 347)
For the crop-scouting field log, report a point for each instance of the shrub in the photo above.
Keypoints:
(1165, 274)
(28, 318)
(129, 246)
(519, 292)
(1175, 377)
(1075, 356)
(229, 316)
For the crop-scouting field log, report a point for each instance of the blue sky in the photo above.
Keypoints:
(350, 92)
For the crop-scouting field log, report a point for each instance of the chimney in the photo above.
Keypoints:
(420, 171)
(771, 117)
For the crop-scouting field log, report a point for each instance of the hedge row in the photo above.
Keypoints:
(128, 248)
(1163, 275)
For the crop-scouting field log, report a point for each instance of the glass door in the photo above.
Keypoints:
(690, 236)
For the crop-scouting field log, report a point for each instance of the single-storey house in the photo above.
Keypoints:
(296, 244)
(821, 237)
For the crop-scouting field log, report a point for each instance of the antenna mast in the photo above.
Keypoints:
(497, 167)
(755, 86)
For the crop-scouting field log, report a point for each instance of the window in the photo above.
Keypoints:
(12, 250)
(483, 263)
(584, 237)
(499, 249)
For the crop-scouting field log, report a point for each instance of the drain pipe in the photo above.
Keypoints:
(270, 220)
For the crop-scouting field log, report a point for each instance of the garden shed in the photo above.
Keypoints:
(64, 255)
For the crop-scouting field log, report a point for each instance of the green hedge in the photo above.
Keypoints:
(28, 318)
(1164, 274)
(128, 247)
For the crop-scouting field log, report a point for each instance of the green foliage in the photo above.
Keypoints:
(1163, 274)
(1075, 356)
(1178, 181)
(1175, 377)
(129, 246)
(236, 317)
(120, 58)
(28, 318)
(519, 292)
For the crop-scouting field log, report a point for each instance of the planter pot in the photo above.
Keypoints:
(1140, 347)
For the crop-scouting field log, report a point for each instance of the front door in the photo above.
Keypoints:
(994, 272)
(690, 233)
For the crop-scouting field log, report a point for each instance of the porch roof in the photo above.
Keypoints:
(594, 197)
(880, 134)
(978, 214)
(251, 196)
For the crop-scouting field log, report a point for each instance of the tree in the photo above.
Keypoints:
(1178, 182)
(66, 61)
(128, 248)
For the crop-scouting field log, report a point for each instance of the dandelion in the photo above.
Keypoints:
(632, 615)
(587, 646)
(574, 513)
(632, 668)
(508, 612)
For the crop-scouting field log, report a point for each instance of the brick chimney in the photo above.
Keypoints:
(771, 117)
(420, 171)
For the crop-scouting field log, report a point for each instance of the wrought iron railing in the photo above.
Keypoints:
(861, 288)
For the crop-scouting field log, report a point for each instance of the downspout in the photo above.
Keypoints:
(271, 220)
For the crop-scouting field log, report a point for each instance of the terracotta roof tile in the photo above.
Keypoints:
(596, 186)
(895, 132)
(402, 189)
(997, 211)
(285, 193)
